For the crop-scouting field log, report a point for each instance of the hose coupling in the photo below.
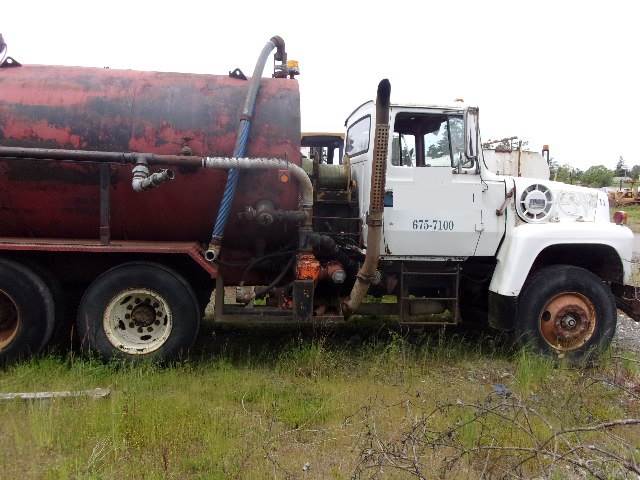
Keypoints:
(212, 252)
(144, 180)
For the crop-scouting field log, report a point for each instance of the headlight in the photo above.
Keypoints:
(535, 202)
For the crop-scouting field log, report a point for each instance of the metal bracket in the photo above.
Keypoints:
(627, 299)
(503, 207)
(10, 62)
(303, 300)
(5, 61)
(105, 204)
(237, 74)
(373, 222)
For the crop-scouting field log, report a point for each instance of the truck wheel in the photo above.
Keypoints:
(567, 312)
(139, 310)
(60, 338)
(26, 312)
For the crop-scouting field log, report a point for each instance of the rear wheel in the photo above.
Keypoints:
(26, 312)
(139, 310)
(567, 312)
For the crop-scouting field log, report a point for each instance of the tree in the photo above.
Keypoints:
(621, 168)
(441, 148)
(564, 173)
(635, 172)
(597, 176)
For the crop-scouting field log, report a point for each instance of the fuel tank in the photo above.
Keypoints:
(133, 111)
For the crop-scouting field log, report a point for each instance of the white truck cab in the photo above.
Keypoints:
(536, 256)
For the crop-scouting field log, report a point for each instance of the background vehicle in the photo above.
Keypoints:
(323, 147)
(127, 195)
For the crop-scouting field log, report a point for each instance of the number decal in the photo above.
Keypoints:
(433, 225)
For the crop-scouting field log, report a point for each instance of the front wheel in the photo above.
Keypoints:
(567, 312)
(139, 310)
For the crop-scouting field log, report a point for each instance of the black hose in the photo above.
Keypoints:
(258, 260)
(272, 285)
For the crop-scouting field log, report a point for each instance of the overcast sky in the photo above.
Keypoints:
(562, 73)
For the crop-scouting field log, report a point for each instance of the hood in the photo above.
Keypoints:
(541, 201)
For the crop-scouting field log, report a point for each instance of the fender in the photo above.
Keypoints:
(524, 243)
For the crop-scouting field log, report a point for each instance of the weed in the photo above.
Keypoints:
(264, 405)
(532, 371)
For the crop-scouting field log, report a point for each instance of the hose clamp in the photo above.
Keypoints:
(374, 222)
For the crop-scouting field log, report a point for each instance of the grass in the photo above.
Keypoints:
(280, 404)
(633, 211)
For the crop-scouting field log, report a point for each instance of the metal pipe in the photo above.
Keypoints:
(367, 271)
(164, 160)
(3, 50)
(144, 180)
(71, 155)
(296, 171)
(242, 140)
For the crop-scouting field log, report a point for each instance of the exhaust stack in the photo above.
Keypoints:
(367, 271)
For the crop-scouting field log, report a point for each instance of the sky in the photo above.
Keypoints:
(561, 73)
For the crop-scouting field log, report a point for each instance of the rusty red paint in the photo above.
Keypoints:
(112, 110)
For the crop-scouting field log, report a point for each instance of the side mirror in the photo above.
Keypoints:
(471, 135)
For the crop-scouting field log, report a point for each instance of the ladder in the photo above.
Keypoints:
(429, 294)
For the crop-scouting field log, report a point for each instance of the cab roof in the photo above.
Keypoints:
(457, 107)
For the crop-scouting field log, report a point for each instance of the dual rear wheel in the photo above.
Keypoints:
(132, 311)
(27, 312)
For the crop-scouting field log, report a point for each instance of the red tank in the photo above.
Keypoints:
(124, 110)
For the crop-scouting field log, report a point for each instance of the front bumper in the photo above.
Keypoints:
(627, 299)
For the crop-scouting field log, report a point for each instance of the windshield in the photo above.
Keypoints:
(427, 140)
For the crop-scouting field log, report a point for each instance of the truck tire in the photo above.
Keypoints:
(60, 339)
(138, 311)
(27, 312)
(566, 312)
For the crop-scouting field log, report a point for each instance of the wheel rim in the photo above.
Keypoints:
(568, 321)
(9, 320)
(137, 321)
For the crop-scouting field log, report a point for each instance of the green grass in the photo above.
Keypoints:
(633, 211)
(263, 404)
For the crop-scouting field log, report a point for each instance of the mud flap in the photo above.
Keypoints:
(503, 311)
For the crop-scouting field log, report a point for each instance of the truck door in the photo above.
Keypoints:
(432, 204)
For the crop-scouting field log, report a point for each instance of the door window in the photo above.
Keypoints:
(357, 141)
(425, 140)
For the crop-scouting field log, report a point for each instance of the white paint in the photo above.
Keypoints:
(541, 213)
(525, 242)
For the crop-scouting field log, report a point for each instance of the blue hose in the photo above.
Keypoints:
(242, 139)
(232, 183)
